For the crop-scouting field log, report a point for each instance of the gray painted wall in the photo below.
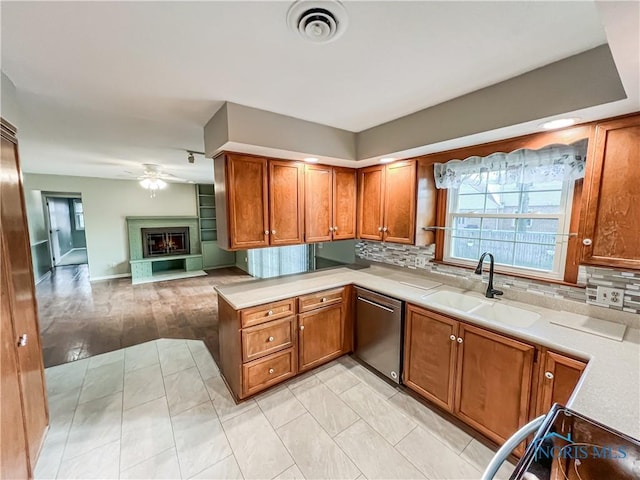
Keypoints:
(584, 80)
(106, 204)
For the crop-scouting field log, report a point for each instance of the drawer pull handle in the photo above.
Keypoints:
(324, 299)
(452, 338)
(271, 370)
(271, 339)
(301, 327)
(549, 375)
(269, 313)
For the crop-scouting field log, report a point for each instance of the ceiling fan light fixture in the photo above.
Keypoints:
(153, 183)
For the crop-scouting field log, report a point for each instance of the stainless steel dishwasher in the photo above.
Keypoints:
(379, 332)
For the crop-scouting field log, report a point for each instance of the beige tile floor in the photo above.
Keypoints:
(161, 410)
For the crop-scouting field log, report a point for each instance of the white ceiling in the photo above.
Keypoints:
(107, 86)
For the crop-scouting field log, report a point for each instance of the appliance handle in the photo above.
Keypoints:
(375, 304)
(507, 447)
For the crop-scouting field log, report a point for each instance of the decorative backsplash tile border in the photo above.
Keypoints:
(421, 258)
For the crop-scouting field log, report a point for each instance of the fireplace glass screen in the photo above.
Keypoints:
(158, 242)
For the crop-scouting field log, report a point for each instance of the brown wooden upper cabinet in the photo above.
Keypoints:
(259, 202)
(609, 228)
(387, 202)
(330, 203)
(480, 376)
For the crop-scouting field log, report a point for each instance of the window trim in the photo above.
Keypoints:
(77, 214)
(562, 245)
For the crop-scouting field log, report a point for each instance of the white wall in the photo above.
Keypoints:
(106, 204)
(8, 101)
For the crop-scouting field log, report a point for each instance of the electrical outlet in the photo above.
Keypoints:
(421, 262)
(610, 296)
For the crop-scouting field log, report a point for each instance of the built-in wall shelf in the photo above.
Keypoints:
(212, 255)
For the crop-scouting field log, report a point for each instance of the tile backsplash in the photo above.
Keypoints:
(421, 258)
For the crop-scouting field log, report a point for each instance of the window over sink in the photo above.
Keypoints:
(516, 206)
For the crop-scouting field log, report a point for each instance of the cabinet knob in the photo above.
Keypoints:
(22, 340)
(324, 299)
(271, 339)
(452, 338)
(384, 229)
(459, 339)
(379, 229)
(266, 232)
(269, 313)
(548, 375)
(335, 229)
(273, 232)
(271, 370)
(586, 241)
(301, 327)
(331, 229)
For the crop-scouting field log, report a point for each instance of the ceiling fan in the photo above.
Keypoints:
(154, 178)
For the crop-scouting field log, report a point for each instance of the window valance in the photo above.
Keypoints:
(549, 163)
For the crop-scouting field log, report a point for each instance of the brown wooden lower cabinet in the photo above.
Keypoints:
(321, 336)
(558, 380)
(493, 382)
(490, 381)
(264, 345)
(430, 355)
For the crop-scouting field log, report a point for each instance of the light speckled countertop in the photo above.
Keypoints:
(609, 390)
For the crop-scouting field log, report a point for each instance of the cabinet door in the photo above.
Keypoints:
(286, 202)
(318, 224)
(612, 212)
(345, 186)
(21, 290)
(248, 203)
(13, 447)
(370, 202)
(430, 355)
(400, 202)
(321, 336)
(558, 381)
(493, 382)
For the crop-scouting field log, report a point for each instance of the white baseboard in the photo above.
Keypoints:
(46, 275)
(109, 277)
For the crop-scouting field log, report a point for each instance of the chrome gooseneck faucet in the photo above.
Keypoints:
(491, 292)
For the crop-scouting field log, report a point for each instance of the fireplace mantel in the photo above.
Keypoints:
(167, 267)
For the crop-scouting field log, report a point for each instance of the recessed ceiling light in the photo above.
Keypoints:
(387, 160)
(311, 160)
(191, 181)
(559, 123)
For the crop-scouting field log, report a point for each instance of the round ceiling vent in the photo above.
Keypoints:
(318, 21)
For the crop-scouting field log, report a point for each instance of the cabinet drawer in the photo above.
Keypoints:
(267, 338)
(268, 371)
(266, 313)
(320, 299)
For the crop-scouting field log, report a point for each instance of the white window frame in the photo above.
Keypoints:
(77, 215)
(562, 235)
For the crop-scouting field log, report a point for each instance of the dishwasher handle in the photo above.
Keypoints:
(375, 304)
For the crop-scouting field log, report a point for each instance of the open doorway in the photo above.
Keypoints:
(65, 222)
